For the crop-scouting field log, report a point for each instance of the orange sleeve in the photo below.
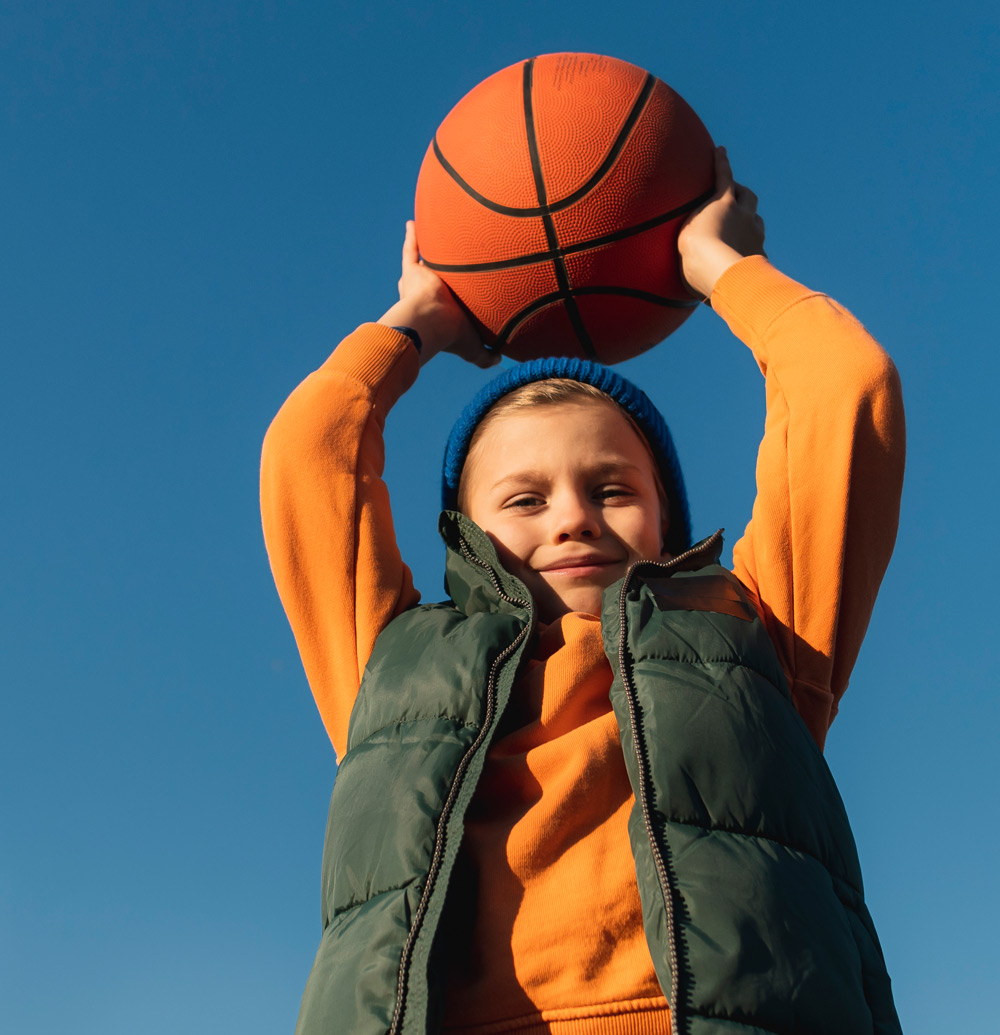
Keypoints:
(326, 516)
(829, 478)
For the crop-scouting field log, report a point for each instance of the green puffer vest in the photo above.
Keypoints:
(747, 870)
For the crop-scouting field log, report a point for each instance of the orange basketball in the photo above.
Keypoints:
(550, 201)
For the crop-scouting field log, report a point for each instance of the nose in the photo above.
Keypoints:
(574, 517)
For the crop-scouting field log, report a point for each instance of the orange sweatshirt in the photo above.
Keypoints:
(557, 943)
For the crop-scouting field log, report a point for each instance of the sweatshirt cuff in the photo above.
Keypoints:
(752, 294)
(382, 358)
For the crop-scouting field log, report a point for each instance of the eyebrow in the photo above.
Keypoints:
(599, 470)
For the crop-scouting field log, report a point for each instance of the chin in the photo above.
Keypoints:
(551, 604)
(589, 604)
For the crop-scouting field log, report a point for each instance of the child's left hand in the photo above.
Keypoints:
(724, 230)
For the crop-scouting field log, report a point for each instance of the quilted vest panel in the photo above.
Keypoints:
(433, 692)
(747, 868)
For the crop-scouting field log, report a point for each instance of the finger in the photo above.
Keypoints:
(486, 358)
(723, 172)
(745, 197)
(410, 251)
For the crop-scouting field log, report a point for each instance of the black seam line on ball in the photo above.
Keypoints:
(534, 157)
(518, 318)
(558, 262)
(569, 249)
(571, 199)
(646, 296)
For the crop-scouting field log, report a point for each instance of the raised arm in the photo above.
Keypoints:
(325, 509)
(326, 517)
(829, 469)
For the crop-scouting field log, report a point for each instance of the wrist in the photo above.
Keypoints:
(412, 334)
(713, 259)
(408, 314)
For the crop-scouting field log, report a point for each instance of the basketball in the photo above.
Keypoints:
(550, 200)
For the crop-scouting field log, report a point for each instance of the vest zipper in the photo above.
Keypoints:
(645, 781)
(439, 839)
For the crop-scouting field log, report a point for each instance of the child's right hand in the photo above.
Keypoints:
(428, 306)
(724, 230)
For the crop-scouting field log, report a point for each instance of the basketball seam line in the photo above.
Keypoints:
(569, 249)
(558, 259)
(539, 303)
(616, 149)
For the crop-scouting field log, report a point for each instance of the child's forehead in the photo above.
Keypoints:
(534, 427)
(555, 411)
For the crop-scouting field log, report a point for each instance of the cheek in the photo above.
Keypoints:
(509, 549)
(648, 535)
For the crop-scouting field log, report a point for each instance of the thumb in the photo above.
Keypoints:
(475, 352)
(723, 172)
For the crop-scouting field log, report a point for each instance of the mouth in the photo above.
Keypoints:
(579, 567)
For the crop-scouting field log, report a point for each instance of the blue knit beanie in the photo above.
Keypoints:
(631, 399)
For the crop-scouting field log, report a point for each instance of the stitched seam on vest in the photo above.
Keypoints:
(733, 662)
(358, 902)
(410, 722)
(773, 840)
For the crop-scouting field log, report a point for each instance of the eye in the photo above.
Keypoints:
(613, 492)
(524, 502)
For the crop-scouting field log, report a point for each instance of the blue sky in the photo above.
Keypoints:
(200, 199)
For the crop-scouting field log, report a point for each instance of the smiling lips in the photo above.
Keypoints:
(579, 566)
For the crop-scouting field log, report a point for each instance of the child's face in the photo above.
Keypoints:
(568, 494)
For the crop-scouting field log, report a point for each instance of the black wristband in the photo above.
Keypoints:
(412, 335)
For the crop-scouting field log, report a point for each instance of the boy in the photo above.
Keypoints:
(577, 798)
